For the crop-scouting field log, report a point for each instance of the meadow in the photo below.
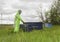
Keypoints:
(44, 35)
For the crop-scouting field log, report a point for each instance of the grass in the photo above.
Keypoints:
(45, 35)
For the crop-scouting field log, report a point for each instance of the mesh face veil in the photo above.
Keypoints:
(19, 11)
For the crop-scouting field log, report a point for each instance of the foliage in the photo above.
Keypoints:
(47, 16)
(55, 13)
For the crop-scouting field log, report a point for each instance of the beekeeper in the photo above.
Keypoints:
(17, 21)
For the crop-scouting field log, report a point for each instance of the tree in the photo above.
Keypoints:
(54, 13)
(47, 16)
(40, 13)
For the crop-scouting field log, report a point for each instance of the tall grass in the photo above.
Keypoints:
(44, 35)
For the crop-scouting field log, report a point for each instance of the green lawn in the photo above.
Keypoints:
(45, 35)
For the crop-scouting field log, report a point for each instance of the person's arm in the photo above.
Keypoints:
(22, 21)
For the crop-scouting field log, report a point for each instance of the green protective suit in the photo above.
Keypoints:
(17, 22)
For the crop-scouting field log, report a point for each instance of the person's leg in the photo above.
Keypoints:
(16, 29)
